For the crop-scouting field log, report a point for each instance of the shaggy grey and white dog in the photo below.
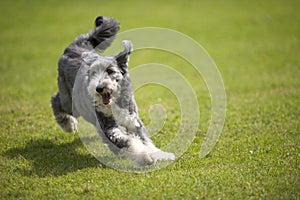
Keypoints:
(98, 88)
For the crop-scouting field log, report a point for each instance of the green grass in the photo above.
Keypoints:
(256, 46)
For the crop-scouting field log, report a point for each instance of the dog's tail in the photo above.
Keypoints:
(104, 33)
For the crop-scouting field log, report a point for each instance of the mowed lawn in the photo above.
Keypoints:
(256, 46)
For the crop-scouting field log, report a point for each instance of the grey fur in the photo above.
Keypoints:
(98, 88)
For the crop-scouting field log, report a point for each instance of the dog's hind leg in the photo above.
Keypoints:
(66, 121)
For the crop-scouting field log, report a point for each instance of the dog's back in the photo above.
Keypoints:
(69, 63)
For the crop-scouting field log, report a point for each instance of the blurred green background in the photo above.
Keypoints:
(255, 45)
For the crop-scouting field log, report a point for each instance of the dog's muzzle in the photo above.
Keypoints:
(106, 96)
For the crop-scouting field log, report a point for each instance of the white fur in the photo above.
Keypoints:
(123, 118)
(146, 154)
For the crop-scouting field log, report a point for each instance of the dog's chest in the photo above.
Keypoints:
(106, 110)
(124, 118)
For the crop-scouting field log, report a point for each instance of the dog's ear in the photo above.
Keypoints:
(99, 21)
(123, 57)
(89, 57)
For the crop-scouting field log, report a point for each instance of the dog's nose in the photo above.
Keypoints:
(99, 89)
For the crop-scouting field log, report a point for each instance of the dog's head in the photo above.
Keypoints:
(106, 74)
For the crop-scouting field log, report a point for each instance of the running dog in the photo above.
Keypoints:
(98, 88)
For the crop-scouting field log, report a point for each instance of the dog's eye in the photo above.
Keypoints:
(110, 71)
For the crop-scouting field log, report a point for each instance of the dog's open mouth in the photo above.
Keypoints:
(106, 97)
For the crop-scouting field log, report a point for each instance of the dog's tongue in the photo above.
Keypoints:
(106, 98)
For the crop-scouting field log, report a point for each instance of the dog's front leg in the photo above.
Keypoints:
(112, 131)
(154, 152)
(129, 144)
(120, 139)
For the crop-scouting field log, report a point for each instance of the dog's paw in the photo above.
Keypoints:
(142, 159)
(146, 154)
(138, 152)
(147, 158)
(70, 125)
(162, 155)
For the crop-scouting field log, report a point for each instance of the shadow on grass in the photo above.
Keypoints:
(44, 158)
